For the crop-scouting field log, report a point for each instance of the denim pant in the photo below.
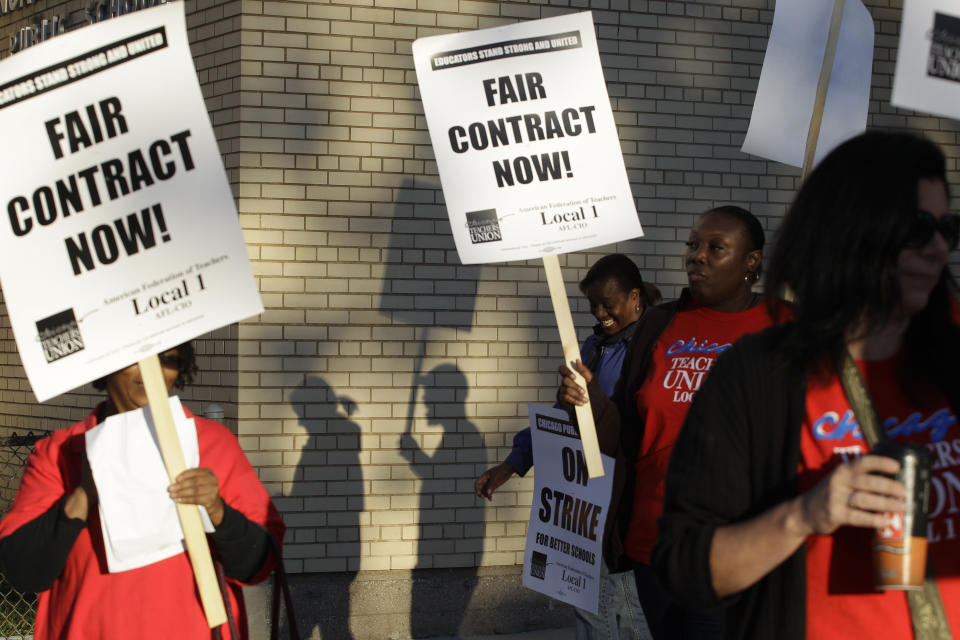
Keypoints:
(619, 616)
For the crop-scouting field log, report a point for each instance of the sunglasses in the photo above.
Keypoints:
(925, 225)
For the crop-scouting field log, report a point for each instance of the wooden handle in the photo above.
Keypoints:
(829, 54)
(196, 540)
(571, 353)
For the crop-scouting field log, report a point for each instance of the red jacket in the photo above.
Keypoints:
(156, 601)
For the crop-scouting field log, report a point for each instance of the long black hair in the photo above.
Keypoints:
(837, 250)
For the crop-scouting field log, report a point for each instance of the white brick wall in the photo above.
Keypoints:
(317, 113)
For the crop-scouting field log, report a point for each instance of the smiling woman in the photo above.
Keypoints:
(618, 298)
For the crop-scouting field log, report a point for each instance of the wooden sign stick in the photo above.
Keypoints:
(829, 54)
(195, 538)
(571, 353)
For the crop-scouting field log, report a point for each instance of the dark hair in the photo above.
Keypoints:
(618, 267)
(837, 248)
(749, 221)
(751, 225)
(185, 371)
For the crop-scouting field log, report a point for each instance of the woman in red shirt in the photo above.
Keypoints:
(772, 498)
(52, 542)
(672, 352)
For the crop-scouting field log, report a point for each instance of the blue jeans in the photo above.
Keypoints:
(619, 615)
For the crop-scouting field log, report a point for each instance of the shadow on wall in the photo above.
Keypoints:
(452, 519)
(433, 297)
(330, 481)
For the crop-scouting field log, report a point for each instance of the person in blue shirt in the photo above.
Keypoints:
(618, 297)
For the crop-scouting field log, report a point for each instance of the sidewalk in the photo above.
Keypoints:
(545, 634)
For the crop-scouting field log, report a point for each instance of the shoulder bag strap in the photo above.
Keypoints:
(225, 592)
(859, 398)
(927, 615)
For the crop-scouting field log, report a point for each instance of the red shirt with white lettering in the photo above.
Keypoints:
(680, 361)
(841, 599)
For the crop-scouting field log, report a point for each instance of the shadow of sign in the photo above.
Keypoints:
(428, 291)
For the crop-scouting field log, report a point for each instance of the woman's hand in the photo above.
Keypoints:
(571, 393)
(852, 494)
(199, 486)
(491, 479)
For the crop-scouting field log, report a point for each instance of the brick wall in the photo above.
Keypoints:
(367, 306)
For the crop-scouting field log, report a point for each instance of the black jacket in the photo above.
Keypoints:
(736, 457)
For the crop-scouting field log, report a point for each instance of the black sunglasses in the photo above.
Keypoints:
(925, 225)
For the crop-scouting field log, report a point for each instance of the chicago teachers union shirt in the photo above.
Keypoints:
(681, 359)
(841, 599)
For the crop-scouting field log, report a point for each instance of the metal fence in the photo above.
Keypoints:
(17, 610)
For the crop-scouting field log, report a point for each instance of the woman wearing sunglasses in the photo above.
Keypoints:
(772, 498)
(51, 541)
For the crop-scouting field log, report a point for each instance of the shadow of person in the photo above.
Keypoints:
(329, 480)
(452, 521)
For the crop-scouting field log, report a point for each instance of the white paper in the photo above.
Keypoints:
(87, 292)
(525, 140)
(927, 77)
(787, 89)
(564, 556)
(137, 517)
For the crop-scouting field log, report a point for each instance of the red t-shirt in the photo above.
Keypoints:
(841, 599)
(681, 360)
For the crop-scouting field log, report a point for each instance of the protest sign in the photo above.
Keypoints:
(525, 140)
(120, 238)
(564, 552)
(528, 153)
(814, 88)
(927, 77)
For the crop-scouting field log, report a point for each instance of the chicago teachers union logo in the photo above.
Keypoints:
(59, 335)
(538, 565)
(484, 226)
(944, 60)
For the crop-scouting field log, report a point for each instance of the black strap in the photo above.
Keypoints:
(225, 592)
(280, 584)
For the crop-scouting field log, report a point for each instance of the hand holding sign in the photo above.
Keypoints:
(529, 160)
(124, 214)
